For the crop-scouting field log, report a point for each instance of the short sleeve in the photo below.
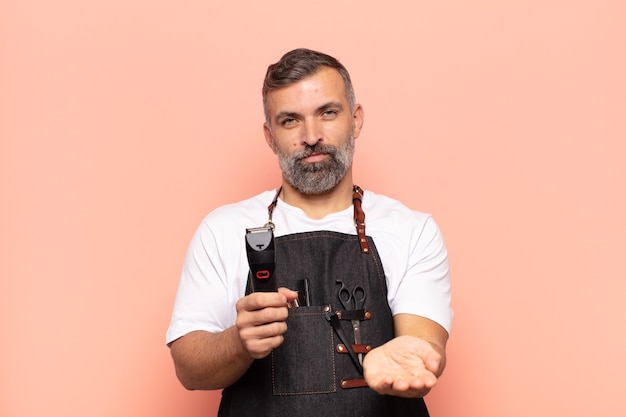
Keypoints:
(424, 289)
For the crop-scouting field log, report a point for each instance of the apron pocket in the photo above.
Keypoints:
(304, 363)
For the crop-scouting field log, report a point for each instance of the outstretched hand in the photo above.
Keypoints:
(406, 366)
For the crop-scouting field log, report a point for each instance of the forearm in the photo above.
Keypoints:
(207, 361)
(427, 330)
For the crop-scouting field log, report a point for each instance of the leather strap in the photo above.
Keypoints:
(354, 314)
(361, 348)
(353, 383)
(271, 207)
(359, 218)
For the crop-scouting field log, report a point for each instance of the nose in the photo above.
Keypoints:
(312, 133)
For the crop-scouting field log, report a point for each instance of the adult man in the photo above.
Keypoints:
(377, 353)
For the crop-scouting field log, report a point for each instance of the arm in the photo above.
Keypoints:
(427, 330)
(205, 360)
(410, 364)
(198, 358)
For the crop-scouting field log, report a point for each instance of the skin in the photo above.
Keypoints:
(410, 364)
(313, 110)
(199, 356)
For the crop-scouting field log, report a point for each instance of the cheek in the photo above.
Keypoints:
(284, 146)
(338, 133)
(287, 142)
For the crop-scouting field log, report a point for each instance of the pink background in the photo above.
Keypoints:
(122, 123)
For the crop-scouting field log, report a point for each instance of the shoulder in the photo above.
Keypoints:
(397, 227)
(227, 223)
(389, 211)
(248, 212)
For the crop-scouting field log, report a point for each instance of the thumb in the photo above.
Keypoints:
(433, 361)
(289, 294)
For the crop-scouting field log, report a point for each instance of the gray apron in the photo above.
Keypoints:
(316, 371)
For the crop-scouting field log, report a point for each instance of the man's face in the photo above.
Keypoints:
(312, 131)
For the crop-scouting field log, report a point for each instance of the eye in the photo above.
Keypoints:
(329, 114)
(288, 121)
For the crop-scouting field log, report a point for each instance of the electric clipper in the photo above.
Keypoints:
(261, 258)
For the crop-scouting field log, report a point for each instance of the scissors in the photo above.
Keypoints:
(352, 300)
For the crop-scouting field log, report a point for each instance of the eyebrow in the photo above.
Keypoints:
(320, 109)
(286, 115)
(330, 105)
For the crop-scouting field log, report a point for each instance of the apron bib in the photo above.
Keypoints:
(313, 373)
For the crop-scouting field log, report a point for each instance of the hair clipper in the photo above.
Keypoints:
(261, 258)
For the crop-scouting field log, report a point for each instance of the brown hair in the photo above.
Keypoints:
(297, 65)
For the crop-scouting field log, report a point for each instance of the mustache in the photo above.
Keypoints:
(317, 148)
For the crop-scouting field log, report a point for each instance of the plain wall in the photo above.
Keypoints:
(122, 123)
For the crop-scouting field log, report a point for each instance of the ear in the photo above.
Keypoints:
(357, 120)
(268, 136)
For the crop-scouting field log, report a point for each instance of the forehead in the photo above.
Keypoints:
(325, 86)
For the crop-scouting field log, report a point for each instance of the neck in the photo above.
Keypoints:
(320, 205)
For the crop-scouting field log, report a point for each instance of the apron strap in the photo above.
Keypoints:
(271, 207)
(359, 216)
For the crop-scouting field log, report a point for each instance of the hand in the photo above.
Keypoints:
(261, 320)
(406, 366)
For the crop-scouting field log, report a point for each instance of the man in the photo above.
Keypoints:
(368, 337)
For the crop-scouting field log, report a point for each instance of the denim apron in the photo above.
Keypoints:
(316, 371)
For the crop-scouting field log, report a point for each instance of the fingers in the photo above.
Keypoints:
(431, 357)
(260, 300)
(261, 321)
(434, 363)
(402, 367)
(290, 294)
(259, 341)
(400, 387)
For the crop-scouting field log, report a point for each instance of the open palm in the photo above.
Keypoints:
(405, 367)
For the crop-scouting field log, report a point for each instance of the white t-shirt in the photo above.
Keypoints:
(215, 271)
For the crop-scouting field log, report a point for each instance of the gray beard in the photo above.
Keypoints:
(319, 177)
